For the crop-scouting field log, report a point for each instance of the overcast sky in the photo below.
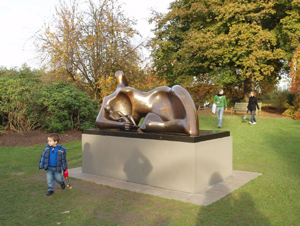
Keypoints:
(20, 19)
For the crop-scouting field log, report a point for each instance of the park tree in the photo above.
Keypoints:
(294, 96)
(237, 43)
(86, 43)
(295, 73)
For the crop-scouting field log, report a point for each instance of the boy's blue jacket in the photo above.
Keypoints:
(61, 158)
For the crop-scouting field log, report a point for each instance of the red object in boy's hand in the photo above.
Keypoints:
(66, 173)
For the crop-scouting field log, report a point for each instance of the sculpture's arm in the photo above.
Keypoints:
(103, 121)
(129, 117)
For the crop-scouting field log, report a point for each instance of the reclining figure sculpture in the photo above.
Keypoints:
(169, 110)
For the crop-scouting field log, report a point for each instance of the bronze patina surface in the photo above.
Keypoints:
(164, 109)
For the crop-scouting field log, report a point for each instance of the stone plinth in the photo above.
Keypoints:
(176, 162)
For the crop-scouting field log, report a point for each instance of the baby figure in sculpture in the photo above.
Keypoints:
(120, 117)
(164, 109)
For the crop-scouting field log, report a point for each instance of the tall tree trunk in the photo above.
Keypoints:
(249, 85)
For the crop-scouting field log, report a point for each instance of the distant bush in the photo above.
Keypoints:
(266, 98)
(234, 100)
(26, 105)
(289, 112)
(16, 97)
(294, 110)
(63, 107)
(280, 99)
(291, 98)
(277, 99)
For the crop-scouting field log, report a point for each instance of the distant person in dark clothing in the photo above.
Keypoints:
(252, 107)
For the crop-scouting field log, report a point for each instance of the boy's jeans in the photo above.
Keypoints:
(53, 175)
(220, 111)
(252, 116)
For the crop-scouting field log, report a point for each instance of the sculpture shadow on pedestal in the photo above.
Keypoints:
(137, 167)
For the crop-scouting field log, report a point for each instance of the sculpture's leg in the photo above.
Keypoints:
(148, 119)
(153, 123)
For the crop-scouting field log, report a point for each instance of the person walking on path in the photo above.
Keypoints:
(220, 101)
(252, 107)
(53, 160)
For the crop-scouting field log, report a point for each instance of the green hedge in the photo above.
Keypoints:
(26, 105)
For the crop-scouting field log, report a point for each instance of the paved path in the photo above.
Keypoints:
(204, 198)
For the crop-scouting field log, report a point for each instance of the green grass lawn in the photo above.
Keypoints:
(272, 147)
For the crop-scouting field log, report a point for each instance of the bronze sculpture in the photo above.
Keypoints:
(165, 109)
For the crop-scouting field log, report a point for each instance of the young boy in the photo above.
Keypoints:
(54, 161)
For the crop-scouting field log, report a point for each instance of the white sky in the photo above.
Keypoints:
(20, 19)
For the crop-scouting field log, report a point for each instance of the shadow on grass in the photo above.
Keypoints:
(237, 209)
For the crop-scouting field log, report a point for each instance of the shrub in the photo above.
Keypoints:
(296, 115)
(294, 110)
(16, 95)
(291, 98)
(26, 105)
(280, 98)
(234, 100)
(64, 107)
(289, 112)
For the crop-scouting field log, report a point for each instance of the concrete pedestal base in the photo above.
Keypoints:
(189, 165)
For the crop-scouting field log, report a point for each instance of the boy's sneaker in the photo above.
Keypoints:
(254, 123)
(250, 122)
(49, 193)
(63, 185)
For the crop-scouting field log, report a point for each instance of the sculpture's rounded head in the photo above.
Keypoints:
(108, 108)
(121, 79)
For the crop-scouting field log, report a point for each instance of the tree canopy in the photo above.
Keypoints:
(88, 44)
(236, 42)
